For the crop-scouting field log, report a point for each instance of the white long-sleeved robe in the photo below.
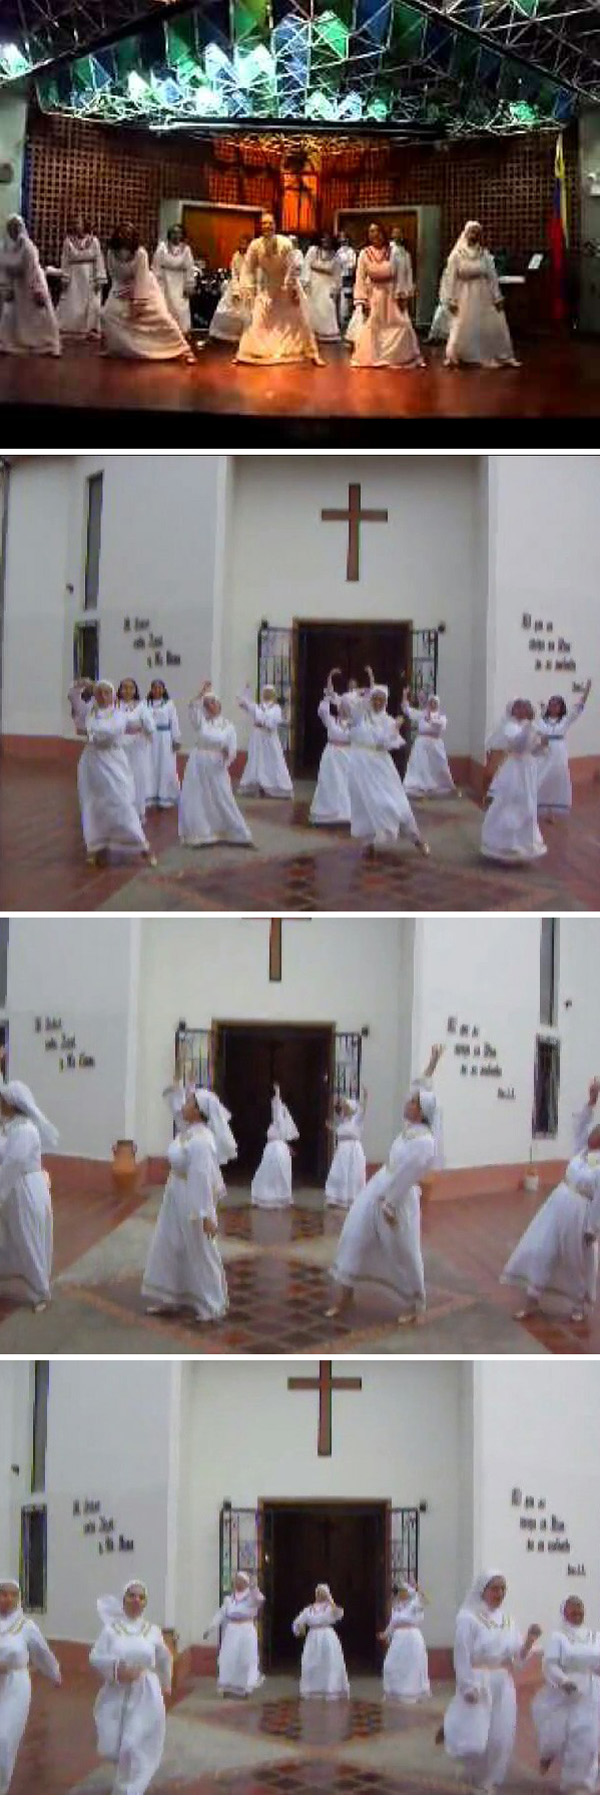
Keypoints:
(27, 318)
(330, 805)
(233, 314)
(478, 331)
(405, 1668)
(482, 1733)
(109, 816)
(555, 792)
(135, 319)
(165, 742)
(348, 1170)
(83, 272)
(130, 1717)
(552, 1258)
(510, 831)
(272, 1183)
(175, 273)
(266, 770)
(239, 1670)
(385, 337)
(21, 1645)
(568, 1724)
(25, 1210)
(279, 329)
(184, 1266)
(387, 1251)
(208, 811)
(379, 809)
(322, 281)
(138, 749)
(323, 1669)
(428, 771)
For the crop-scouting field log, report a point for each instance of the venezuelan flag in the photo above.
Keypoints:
(559, 236)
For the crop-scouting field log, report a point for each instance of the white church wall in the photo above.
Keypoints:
(16, 1388)
(404, 1439)
(534, 1434)
(544, 555)
(35, 657)
(82, 974)
(421, 566)
(351, 972)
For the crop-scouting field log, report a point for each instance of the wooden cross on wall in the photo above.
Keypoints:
(355, 516)
(325, 1384)
(276, 946)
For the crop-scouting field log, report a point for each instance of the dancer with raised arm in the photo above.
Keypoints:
(323, 1670)
(272, 1182)
(379, 809)
(266, 771)
(184, 1268)
(557, 1257)
(330, 805)
(428, 772)
(555, 792)
(208, 811)
(348, 1171)
(239, 1672)
(510, 831)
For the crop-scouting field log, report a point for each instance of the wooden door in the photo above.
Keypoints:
(250, 1060)
(349, 645)
(214, 232)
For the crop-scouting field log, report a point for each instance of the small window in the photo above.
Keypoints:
(41, 1387)
(93, 538)
(547, 1089)
(86, 652)
(549, 971)
(33, 1558)
(4, 932)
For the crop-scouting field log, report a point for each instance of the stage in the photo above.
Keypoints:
(218, 404)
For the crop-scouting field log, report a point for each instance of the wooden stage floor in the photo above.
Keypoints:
(217, 403)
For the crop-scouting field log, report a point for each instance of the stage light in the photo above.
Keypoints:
(138, 90)
(12, 61)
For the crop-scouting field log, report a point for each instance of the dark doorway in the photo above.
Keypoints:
(349, 646)
(249, 1060)
(343, 1544)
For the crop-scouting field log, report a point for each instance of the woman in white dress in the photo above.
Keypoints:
(379, 809)
(348, 1170)
(279, 329)
(322, 281)
(380, 1242)
(184, 1268)
(510, 831)
(266, 771)
(21, 1645)
(136, 1667)
(566, 1710)
(239, 1672)
(138, 745)
(478, 331)
(557, 1255)
(555, 793)
(135, 319)
(323, 1670)
(175, 271)
(82, 275)
(385, 337)
(208, 812)
(164, 745)
(405, 1667)
(109, 816)
(25, 1198)
(233, 314)
(27, 318)
(330, 805)
(272, 1182)
(428, 772)
(480, 1724)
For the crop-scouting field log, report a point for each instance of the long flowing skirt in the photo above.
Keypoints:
(138, 751)
(405, 1670)
(78, 310)
(330, 805)
(148, 333)
(266, 770)
(428, 770)
(378, 805)
(479, 332)
(231, 317)
(483, 1733)
(440, 324)
(15, 1700)
(510, 831)
(555, 793)
(386, 339)
(347, 1175)
(322, 311)
(272, 1182)
(26, 1236)
(208, 811)
(568, 1729)
(323, 1670)
(172, 286)
(239, 1670)
(551, 1257)
(109, 816)
(26, 326)
(279, 332)
(164, 780)
(131, 1725)
(372, 1250)
(184, 1267)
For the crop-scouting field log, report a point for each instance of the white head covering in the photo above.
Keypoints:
(432, 1115)
(210, 696)
(497, 738)
(579, 1632)
(20, 1097)
(110, 1608)
(101, 683)
(379, 688)
(474, 1602)
(241, 1576)
(218, 1119)
(11, 1583)
(325, 1595)
(16, 219)
(461, 242)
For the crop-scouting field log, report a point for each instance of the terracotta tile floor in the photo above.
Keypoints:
(293, 867)
(273, 1745)
(277, 1271)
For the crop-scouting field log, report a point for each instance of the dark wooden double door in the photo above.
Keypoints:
(341, 1543)
(349, 646)
(251, 1058)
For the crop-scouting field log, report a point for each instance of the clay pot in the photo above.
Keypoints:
(531, 1182)
(125, 1172)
